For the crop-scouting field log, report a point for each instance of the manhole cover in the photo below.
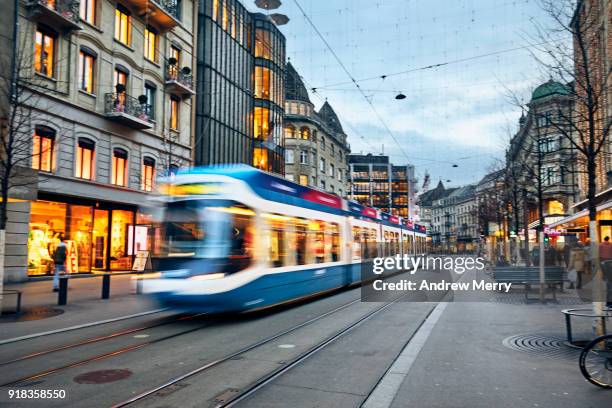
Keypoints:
(540, 345)
(32, 313)
(102, 376)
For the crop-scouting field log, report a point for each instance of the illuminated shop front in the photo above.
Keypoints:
(99, 236)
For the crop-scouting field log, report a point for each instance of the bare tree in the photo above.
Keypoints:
(582, 63)
(20, 93)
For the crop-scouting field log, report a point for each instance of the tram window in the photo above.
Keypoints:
(219, 231)
(397, 243)
(318, 230)
(300, 242)
(277, 231)
(335, 242)
(357, 243)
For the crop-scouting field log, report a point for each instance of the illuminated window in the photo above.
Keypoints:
(233, 22)
(225, 18)
(87, 11)
(289, 132)
(44, 52)
(86, 71)
(215, 12)
(85, 159)
(262, 44)
(289, 156)
(42, 148)
(174, 113)
(263, 87)
(148, 174)
(260, 158)
(305, 133)
(175, 57)
(303, 180)
(120, 79)
(119, 173)
(555, 207)
(150, 44)
(262, 123)
(123, 25)
(150, 92)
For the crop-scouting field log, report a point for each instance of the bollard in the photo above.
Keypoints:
(62, 295)
(106, 286)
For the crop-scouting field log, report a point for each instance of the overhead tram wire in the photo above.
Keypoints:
(441, 64)
(314, 27)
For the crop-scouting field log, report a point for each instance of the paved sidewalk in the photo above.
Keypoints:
(502, 354)
(40, 292)
(84, 305)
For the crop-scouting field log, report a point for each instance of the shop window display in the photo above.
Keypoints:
(120, 258)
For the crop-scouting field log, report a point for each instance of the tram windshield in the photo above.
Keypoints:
(212, 229)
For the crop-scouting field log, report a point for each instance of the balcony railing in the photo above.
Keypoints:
(128, 111)
(61, 14)
(164, 14)
(179, 81)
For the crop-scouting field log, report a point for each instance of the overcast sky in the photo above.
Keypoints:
(457, 113)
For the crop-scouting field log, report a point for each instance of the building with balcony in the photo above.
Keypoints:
(377, 183)
(316, 148)
(240, 97)
(109, 89)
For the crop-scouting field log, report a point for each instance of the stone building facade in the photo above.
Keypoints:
(540, 161)
(316, 147)
(110, 86)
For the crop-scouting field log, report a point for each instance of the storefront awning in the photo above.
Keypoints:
(583, 213)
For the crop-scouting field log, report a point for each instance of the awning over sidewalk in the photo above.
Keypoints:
(582, 214)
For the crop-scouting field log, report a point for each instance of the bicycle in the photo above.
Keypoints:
(596, 361)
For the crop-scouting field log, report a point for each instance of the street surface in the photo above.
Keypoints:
(461, 359)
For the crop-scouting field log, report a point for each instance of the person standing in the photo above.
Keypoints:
(577, 262)
(59, 261)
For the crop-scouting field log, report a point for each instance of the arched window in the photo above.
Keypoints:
(305, 133)
(84, 165)
(148, 174)
(43, 148)
(289, 132)
(120, 167)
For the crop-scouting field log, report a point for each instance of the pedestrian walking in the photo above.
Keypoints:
(577, 262)
(605, 250)
(605, 257)
(59, 261)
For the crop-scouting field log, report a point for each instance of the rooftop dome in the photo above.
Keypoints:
(550, 88)
(294, 87)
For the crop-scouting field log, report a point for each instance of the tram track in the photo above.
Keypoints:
(98, 339)
(102, 356)
(272, 375)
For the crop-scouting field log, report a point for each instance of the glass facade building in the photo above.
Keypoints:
(377, 183)
(240, 95)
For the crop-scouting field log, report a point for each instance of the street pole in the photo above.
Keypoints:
(542, 277)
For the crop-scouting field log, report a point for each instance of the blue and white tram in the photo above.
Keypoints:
(236, 238)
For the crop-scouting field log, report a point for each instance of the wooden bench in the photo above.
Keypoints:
(527, 276)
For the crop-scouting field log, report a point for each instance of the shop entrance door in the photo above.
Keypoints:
(100, 240)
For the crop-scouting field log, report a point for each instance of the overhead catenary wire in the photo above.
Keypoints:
(337, 58)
